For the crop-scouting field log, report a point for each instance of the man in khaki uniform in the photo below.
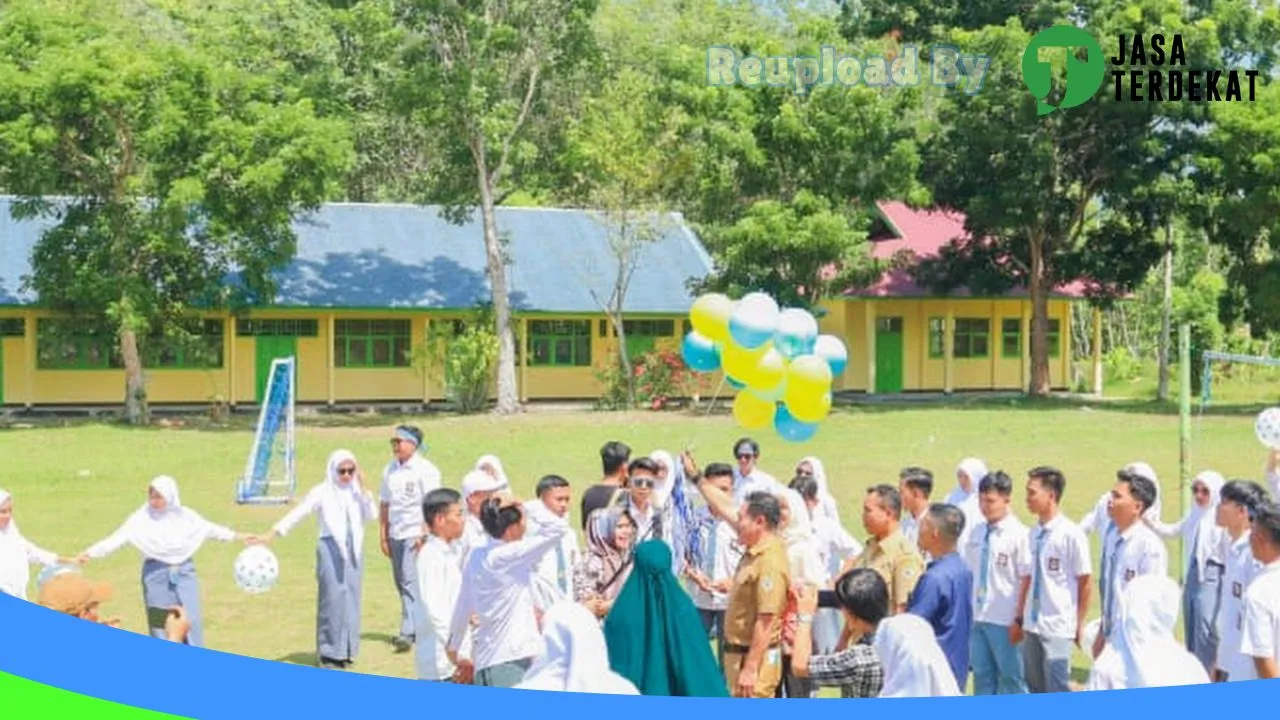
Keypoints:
(758, 596)
(888, 551)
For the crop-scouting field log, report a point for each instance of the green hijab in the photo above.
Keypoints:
(656, 638)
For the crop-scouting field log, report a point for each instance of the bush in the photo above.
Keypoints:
(1120, 365)
(660, 377)
(463, 359)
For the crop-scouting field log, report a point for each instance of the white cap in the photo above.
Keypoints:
(479, 481)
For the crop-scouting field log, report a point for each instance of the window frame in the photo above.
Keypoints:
(555, 332)
(936, 333)
(367, 333)
(1005, 335)
(966, 333)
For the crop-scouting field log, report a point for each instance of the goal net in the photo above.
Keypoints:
(1238, 379)
(269, 472)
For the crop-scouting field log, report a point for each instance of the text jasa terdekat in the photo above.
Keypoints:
(1165, 76)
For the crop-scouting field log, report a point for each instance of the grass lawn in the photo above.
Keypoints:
(73, 484)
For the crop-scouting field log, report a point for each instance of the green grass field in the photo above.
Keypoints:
(73, 484)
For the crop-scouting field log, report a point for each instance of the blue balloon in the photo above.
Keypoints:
(699, 353)
(797, 333)
(791, 429)
(734, 383)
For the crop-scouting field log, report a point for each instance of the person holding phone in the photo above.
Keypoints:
(168, 535)
(862, 597)
(343, 507)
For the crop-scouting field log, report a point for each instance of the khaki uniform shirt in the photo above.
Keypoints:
(759, 587)
(899, 563)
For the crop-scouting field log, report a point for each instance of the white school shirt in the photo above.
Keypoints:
(1141, 552)
(556, 568)
(1261, 631)
(757, 481)
(404, 487)
(311, 504)
(1062, 560)
(440, 578)
(1241, 568)
(719, 563)
(1008, 561)
(14, 580)
(835, 544)
(500, 590)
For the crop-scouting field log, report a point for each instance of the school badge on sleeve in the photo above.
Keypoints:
(1055, 564)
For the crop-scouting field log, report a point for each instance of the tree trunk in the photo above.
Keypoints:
(1039, 322)
(496, 267)
(136, 409)
(1166, 315)
(624, 357)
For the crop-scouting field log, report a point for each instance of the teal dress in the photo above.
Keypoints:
(656, 638)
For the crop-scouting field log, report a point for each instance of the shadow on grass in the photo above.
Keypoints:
(299, 658)
(378, 637)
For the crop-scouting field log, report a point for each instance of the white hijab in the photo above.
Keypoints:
(1146, 471)
(493, 462)
(340, 506)
(663, 488)
(802, 543)
(826, 502)
(172, 535)
(975, 469)
(15, 570)
(1205, 521)
(1144, 653)
(913, 663)
(574, 656)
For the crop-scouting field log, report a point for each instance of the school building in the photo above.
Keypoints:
(369, 281)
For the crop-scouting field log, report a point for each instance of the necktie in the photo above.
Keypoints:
(1036, 573)
(983, 566)
(1110, 589)
(561, 567)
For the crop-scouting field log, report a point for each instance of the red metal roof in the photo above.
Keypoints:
(922, 233)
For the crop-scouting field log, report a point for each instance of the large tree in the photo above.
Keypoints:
(479, 70)
(1075, 195)
(177, 169)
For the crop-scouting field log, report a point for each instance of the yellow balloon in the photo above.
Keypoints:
(738, 363)
(808, 375)
(710, 316)
(810, 409)
(751, 412)
(768, 372)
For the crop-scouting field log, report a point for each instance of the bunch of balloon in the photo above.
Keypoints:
(777, 360)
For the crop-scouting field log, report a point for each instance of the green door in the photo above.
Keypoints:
(270, 347)
(889, 355)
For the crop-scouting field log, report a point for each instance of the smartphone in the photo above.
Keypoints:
(157, 617)
(827, 599)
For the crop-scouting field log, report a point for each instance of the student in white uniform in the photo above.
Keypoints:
(477, 487)
(835, 546)
(1261, 630)
(1099, 521)
(652, 522)
(827, 505)
(574, 657)
(1143, 653)
(440, 577)
(1132, 548)
(999, 557)
(342, 507)
(555, 572)
(493, 466)
(1239, 501)
(747, 475)
(969, 473)
(18, 553)
(405, 483)
(711, 569)
(499, 592)
(1054, 598)
(168, 535)
(914, 665)
(1202, 562)
(915, 485)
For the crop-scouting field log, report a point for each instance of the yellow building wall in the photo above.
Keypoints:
(855, 372)
(13, 379)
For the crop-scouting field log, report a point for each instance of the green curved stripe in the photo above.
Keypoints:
(26, 699)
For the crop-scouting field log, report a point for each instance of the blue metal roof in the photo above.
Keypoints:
(406, 256)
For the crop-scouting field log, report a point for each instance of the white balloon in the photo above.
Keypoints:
(754, 320)
(1267, 427)
(798, 324)
(257, 570)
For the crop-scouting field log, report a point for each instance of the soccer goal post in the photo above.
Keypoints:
(1211, 357)
(269, 477)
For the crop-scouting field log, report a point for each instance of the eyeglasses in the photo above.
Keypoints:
(746, 456)
(642, 482)
(346, 471)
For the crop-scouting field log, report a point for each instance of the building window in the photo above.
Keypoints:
(1011, 338)
(66, 344)
(649, 328)
(1054, 337)
(13, 327)
(937, 337)
(560, 343)
(972, 337)
(278, 328)
(371, 343)
(201, 349)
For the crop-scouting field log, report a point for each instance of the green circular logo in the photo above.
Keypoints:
(1083, 78)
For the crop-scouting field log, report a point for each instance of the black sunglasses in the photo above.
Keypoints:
(746, 456)
(642, 482)
(346, 471)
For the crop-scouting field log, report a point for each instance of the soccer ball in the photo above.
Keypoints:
(257, 570)
(1267, 428)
